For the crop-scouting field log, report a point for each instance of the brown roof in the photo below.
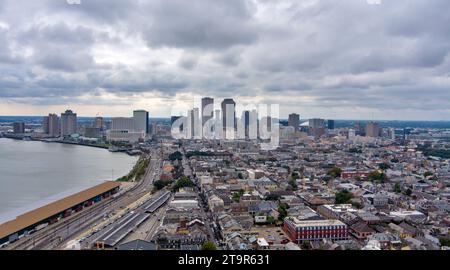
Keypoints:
(362, 227)
(35, 216)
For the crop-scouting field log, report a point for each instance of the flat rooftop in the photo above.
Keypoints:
(49, 210)
(312, 223)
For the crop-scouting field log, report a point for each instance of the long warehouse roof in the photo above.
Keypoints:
(35, 216)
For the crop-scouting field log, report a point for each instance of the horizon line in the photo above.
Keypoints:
(282, 119)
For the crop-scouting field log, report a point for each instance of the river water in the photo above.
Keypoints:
(32, 173)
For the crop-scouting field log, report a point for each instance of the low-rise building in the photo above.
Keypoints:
(315, 230)
(335, 211)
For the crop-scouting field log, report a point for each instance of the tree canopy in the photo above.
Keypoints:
(176, 156)
(343, 197)
(183, 182)
(209, 245)
(335, 172)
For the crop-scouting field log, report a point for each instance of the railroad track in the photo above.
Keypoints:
(90, 215)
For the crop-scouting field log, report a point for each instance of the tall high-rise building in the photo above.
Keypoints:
(53, 125)
(373, 130)
(207, 112)
(98, 123)
(359, 129)
(68, 123)
(141, 121)
(246, 119)
(316, 127)
(194, 123)
(19, 127)
(228, 110)
(294, 121)
(45, 124)
(316, 123)
(331, 124)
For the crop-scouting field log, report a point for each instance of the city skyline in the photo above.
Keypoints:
(235, 126)
(296, 54)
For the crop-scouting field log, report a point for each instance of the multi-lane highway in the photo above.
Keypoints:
(56, 235)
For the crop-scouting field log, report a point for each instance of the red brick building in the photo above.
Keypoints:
(314, 230)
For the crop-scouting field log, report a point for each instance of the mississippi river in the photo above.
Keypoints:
(32, 172)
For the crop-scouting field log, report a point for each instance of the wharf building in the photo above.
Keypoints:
(52, 213)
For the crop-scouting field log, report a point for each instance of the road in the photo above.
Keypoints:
(55, 236)
(203, 207)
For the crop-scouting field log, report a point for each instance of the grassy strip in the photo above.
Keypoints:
(137, 172)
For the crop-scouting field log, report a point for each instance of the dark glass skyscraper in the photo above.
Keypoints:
(209, 113)
(229, 102)
(330, 124)
(294, 121)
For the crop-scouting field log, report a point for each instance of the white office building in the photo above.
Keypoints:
(122, 123)
(129, 129)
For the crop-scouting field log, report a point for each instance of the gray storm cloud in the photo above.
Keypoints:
(319, 54)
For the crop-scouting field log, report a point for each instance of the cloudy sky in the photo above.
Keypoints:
(342, 59)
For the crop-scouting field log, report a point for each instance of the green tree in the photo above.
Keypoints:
(335, 172)
(408, 192)
(306, 245)
(376, 176)
(397, 188)
(236, 197)
(272, 197)
(209, 245)
(357, 205)
(183, 182)
(343, 197)
(384, 166)
(176, 156)
(445, 242)
(355, 151)
(160, 184)
(293, 185)
(282, 210)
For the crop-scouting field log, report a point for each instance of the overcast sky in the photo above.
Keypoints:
(342, 59)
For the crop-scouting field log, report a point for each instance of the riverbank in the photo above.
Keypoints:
(111, 148)
(137, 172)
